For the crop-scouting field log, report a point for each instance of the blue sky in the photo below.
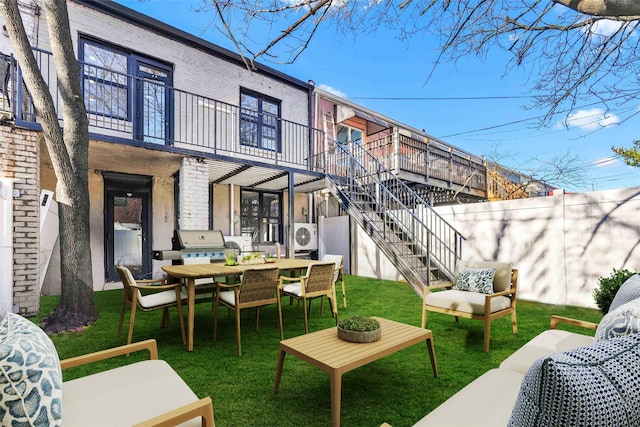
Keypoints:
(367, 66)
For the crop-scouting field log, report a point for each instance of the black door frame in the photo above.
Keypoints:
(119, 185)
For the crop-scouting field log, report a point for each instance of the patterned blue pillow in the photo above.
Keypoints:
(30, 375)
(629, 291)
(475, 279)
(624, 320)
(596, 385)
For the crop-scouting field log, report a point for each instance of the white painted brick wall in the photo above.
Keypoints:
(194, 70)
(20, 161)
(194, 195)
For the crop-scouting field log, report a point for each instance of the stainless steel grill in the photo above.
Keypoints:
(193, 244)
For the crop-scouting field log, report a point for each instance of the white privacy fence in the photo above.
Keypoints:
(561, 244)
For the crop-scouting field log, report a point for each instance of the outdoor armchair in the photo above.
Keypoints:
(157, 295)
(481, 290)
(317, 282)
(258, 287)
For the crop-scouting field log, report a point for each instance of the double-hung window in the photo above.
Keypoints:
(127, 91)
(259, 121)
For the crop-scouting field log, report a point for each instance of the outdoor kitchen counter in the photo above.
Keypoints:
(189, 273)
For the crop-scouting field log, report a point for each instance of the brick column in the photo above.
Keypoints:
(20, 161)
(194, 195)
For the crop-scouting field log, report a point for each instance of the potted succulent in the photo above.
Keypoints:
(360, 329)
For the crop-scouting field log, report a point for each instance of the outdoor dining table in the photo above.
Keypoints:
(189, 273)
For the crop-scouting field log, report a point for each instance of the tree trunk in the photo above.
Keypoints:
(629, 9)
(69, 152)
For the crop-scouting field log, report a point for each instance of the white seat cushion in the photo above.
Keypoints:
(544, 344)
(157, 299)
(293, 288)
(152, 388)
(229, 297)
(464, 301)
(485, 402)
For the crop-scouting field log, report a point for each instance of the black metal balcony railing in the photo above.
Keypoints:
(124, 107)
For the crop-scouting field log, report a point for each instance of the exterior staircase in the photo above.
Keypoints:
(421, 244)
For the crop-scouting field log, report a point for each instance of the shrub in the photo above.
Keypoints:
(359, 324)
(607, 288)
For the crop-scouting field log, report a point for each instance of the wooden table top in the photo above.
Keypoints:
(198, 271)
(326, 351)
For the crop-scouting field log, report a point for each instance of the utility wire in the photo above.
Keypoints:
(443, 98)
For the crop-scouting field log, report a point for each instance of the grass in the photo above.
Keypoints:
(399, 389)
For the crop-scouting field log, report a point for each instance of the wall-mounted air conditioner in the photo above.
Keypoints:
(244, 242)
(305, 236)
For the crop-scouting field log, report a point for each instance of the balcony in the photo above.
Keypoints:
(430, 163)
(145, 112)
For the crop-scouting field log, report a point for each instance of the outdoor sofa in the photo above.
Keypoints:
(143, 393)
(560, 378)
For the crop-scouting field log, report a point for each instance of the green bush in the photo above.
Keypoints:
(607, 288)
(359, 324)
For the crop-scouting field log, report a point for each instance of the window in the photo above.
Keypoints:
(348, 134)
(261, 215)
(105, 80)
(121, 85)
(259, 121)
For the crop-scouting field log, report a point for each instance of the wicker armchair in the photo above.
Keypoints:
(317, 282)
(257, 288)
(158, 295)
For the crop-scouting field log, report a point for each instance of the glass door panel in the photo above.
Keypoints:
(127, 233)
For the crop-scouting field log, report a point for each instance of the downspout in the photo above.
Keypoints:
(231, 208)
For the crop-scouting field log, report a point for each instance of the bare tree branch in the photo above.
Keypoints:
(576, 49)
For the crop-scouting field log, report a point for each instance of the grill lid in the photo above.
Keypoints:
(200, 239)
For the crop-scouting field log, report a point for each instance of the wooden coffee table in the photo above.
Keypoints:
(326, 351)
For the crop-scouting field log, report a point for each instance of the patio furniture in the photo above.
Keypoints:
(338, 273)
(481, 290)
(189, 273)
(205, 287)
(324, 350)
(146, 392)
(317, 282)
(258, 287)
(158, 295)
(560, 378)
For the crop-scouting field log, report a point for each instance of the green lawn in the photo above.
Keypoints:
(399, 389)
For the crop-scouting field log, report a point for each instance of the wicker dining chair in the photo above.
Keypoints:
(338, 273)
(158, 295)
(257, 288)
(316, 283)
